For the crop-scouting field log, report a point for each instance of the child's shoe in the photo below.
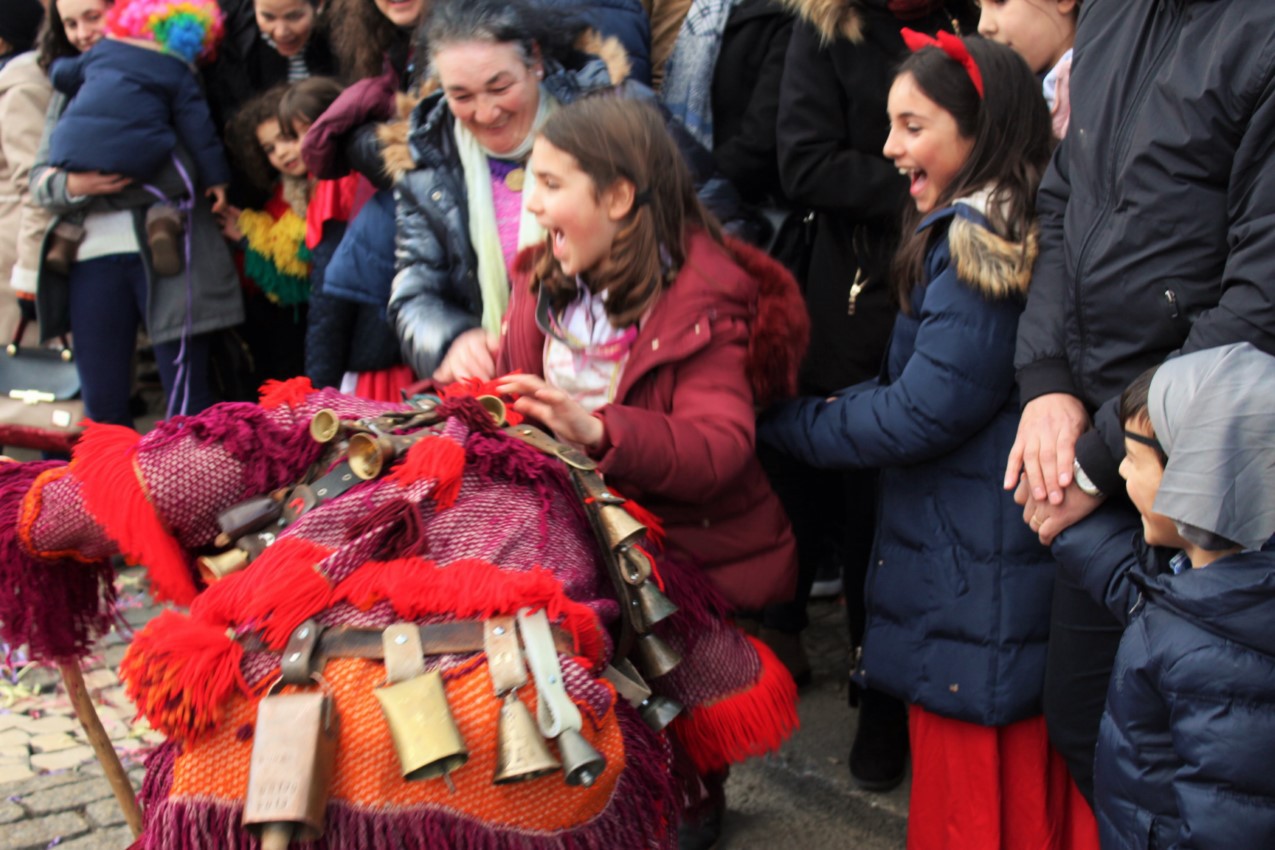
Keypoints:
(164, 237)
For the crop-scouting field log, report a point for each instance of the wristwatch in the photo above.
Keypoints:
(1083, 481)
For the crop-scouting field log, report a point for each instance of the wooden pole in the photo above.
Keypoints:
(101, 743)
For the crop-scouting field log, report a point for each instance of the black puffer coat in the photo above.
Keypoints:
(832, 126)
(1156, 212)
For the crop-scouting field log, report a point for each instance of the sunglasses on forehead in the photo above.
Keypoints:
(1146, 441)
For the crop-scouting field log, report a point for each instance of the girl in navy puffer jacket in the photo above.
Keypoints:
(959, 590)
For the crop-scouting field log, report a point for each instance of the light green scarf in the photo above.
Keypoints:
(484, 235)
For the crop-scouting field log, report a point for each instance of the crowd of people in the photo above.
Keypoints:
(968, 302)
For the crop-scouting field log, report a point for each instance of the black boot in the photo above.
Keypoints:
(879, 755)
(701, 825)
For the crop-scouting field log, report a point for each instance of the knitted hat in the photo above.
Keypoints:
(19, 22)
(188, 29)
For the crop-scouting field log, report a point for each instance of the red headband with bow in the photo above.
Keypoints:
(952, 46)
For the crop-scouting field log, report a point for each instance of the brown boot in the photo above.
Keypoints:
(164, 236)
(64, 244)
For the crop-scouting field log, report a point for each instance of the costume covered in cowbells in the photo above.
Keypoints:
(469, 524)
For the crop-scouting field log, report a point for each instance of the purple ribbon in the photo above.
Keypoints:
(181, 361)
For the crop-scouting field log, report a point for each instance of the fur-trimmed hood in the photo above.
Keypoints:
(832, 18)
(994, 265)
(421, 114)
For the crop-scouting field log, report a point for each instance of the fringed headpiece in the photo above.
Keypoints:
(187, 29)
(951, 45)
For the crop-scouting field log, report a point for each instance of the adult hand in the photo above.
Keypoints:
(569, 421)
(86, 183)
(228, 218)
(1049, 520)
(1046, 445)
(471, 355)
(217, 194)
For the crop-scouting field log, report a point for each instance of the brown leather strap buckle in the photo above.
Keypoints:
(298, 665)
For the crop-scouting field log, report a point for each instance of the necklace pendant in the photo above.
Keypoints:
(516, 179)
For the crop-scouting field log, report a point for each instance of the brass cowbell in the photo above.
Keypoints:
(426, 738)
(523, 753)
(657, 657)
(581, 762)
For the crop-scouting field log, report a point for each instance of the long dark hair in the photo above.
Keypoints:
(1012, 140)
(533, 30)
(616, 139)
(241, 136)
(52, 41)
(361, 37)
(305, 100)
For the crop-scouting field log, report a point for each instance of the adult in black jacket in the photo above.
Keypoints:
(832, 126)
(1156, 239)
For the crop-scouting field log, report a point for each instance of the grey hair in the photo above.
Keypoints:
(533, 32)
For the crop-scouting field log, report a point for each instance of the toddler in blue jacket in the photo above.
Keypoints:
(1187, 741)
(134, 97)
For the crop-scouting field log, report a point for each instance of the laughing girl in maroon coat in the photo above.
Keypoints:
(647, 340)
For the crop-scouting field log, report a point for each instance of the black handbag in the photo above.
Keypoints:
(40, 405)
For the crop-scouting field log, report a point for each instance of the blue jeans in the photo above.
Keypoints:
(107, 306)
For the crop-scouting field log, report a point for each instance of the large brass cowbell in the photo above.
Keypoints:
(293, 758)
(428, 742)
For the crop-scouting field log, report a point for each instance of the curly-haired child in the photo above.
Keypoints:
(134, 98)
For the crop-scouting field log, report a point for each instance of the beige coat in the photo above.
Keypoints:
(24, 96)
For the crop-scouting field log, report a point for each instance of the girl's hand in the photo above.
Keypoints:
(217, 194)
(83, 184)
(228, 218)
(472, 355)
(570, 422)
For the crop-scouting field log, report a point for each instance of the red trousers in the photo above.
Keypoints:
(992, 788)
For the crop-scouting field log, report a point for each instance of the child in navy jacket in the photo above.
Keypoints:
(134, 97)
(1187, 741)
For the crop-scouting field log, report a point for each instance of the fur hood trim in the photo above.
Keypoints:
(833, 19)
(992, 264)
(394, 136)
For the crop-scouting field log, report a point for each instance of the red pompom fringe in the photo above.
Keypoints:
(291, 392)
(180, 673)
(747, 723)
(114, 492)
(440, 458)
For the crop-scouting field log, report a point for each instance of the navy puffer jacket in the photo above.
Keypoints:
(1186, 749)
(959, 589)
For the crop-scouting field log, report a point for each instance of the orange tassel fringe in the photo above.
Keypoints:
(180, 673)
(441, 458)
(747, 723)
(291, 392)
(115, 496)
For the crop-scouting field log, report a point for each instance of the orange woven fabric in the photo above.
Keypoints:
(367, 767)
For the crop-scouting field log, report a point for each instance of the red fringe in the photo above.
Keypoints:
(291, 392)
(115, 495)
(747, 723)
(473, 387)
(56, 606)
(180, 673)
(654, 525)
(470, 589)
(440, 458)
(277, 593)
(403, 531)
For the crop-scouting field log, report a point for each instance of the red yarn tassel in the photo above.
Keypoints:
(105, 463)
(180, 673)
(654, 525)
(747, 723)
(291, 392)
(440, 458)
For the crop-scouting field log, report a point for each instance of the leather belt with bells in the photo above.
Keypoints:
(312, 644)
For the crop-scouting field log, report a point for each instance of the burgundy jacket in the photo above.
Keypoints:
(723, 340)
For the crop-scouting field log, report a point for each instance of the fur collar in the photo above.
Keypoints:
(833, 19)
(395, 136)
(992, 264)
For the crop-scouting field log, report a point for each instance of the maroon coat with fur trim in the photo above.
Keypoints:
(725, 337)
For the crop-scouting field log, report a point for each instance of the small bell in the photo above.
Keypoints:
(290, 772)
(495, 408)
(325, 425)
(619, 527)
(522, 752)
(216, 567)
(658, 712)
(369, 454)
(581, 763)
(657, 657)
(654, 605)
